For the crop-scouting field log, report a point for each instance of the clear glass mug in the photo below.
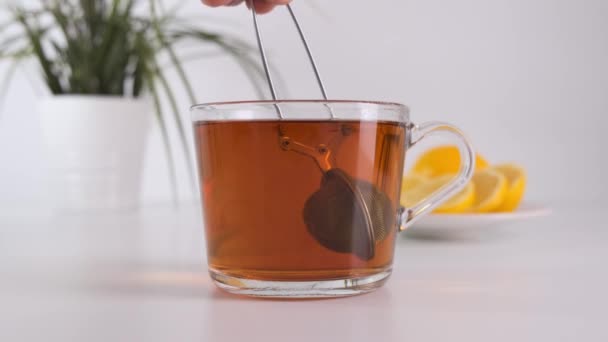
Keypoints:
(301, 198)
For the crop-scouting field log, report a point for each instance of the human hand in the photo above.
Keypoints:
(261, 6)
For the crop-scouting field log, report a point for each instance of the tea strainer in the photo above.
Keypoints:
(345, 215)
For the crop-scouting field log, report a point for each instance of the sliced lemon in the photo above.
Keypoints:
(491, 188)
(443, 160)
(411, 181)
(516, 178)
(460, 203)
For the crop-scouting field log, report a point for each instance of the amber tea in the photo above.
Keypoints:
(300, 200)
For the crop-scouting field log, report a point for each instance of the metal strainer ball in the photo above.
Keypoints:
(347, 215)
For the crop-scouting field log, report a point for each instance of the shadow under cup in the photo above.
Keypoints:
(300, 198)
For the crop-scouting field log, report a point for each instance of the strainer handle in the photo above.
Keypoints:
(467, 166)
(264, 57)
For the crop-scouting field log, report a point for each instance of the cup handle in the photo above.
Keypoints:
(467, 168)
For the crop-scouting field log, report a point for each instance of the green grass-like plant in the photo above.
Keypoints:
(114, 48)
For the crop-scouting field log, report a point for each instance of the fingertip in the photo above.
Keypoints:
(216, 3)
(263, 7)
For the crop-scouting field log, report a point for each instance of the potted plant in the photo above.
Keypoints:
(101, 62)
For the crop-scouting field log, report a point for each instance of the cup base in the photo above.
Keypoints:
(300, 289)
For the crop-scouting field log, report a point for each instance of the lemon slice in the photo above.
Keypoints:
(443, 160)
(411, 181)
(460, 203)
(491, 188)
(516, 178)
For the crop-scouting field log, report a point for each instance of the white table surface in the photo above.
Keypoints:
(142, 277)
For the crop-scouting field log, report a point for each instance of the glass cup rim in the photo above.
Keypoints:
(400, 111)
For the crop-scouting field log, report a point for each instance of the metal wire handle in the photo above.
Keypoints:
(265, 59)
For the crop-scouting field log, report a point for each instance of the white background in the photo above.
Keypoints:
(527, 80)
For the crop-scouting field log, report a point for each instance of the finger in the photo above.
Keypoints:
(278, 2)
(263, 7)
(216, 3)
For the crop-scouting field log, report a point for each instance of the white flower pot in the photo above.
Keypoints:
(95, 148)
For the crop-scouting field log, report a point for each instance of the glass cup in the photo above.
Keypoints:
(301, 198)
